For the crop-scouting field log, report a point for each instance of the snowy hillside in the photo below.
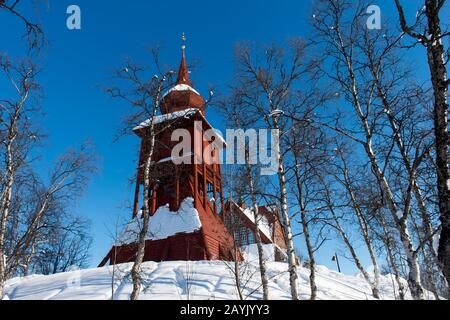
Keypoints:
(188, 280)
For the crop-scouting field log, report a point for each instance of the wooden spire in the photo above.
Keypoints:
(183, 73)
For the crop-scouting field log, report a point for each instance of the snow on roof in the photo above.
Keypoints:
(180, 87)
(167, 117)
(164, 223)
(263, 224)
(186, 113)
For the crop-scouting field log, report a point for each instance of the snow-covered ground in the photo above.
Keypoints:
(189, 280)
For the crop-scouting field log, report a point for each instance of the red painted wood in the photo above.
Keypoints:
(177, 182)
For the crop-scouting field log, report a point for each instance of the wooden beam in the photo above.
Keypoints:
(214, 187)
(136, 197)
(153, 207)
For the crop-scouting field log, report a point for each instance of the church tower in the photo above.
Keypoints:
(187, 221)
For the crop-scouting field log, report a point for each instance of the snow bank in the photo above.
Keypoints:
(190, 280)
(164, 223)
(250, 252)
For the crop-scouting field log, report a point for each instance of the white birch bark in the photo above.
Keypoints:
(257, 218)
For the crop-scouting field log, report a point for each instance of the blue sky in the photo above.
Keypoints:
(76, 63)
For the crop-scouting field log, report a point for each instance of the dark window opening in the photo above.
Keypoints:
(210, 191)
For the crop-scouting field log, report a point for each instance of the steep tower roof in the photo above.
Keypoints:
(183, 72)
(182, 96)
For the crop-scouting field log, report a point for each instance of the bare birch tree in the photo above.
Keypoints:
(239, 118)
(343, 177)
(46, 216)
(268, 83)
(143, 95)
(339, 26)
(428, 30)
(34, 33)
(15, 134)
(308, 157)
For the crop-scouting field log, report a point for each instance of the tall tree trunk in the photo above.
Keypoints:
(305, 228)
(426, 259)
(5, 208)
(356, 260)
(234, 228)
(292, 263)
(136, 268)
(437, 65)
(364, 231)
(3, 273)
(257, 217)
(388, 242)
(401, 223)
(237, 275)
(427, 227)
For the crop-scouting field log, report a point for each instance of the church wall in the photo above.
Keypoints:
(188, 246)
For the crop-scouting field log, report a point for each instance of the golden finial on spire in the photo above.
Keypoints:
(183, 39)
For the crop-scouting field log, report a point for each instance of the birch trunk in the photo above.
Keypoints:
(365, 233)
(428, 229)
(136, 268)
(388, 244)
(426, 259)
(305, 228)
(237, 275)
(356, 260)
(7, 192)
(437, 65)
(257, 217)
(401, 223)
(5, 206)
(292, 263)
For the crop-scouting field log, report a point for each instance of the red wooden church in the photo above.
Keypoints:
(184, 191)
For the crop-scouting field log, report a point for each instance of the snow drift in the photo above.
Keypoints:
(191, 280)
(164, 223)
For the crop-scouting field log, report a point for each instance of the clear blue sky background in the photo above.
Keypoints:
(76, 63)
